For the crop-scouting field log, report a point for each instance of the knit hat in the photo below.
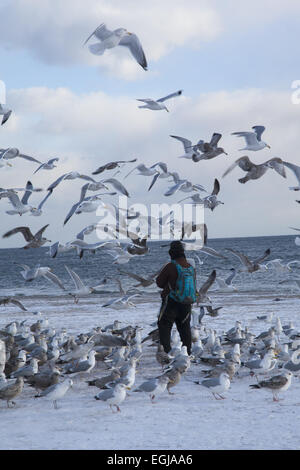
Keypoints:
(176, 250)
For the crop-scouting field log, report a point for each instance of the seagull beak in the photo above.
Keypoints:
(268, 146)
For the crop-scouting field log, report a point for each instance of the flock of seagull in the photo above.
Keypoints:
(36, 355)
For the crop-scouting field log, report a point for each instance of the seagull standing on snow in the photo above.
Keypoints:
(118, 37)
(114, 396)
(253, 139)
(56, 391)
(158, 105)
(277, 383)
(217, 385)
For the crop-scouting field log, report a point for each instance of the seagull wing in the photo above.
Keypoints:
(6, 116)
(53, 278)
(56, 182)
(262, 258)
(27, 193)
(229, 279)
(242, 257)
(133, 43)
(172, 95)
(215, 139)
(212, 252)
(134, 276)
(101, 32)
(174, 188)
(243, 162)
(24, 230)
(187, 144)
(75, 278)
(44, 200)
(277, 165)
(258, 131)
(14, 199)
(208, 283)
(154, 180)
(117, 185)
(295, 169)
(250, 137)
(39, 234)
(216, 188)
(38, 168)
(18, 304)
(27, 157)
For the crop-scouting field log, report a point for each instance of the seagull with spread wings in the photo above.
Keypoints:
(72, 175)
(12, 152)
(144, 282)
(81, 289)
(254, 171)
(49, 165)
(11, 300)
(29, 274)
(112, 166)
(250, 266)
(253, 139)
(118, 37)
(158, 105)
(21, 206)
(34, 241)
(209, 202)
(191, 151)
(208, 150)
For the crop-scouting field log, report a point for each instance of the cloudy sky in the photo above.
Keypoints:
(235, 64)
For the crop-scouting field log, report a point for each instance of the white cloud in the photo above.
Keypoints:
(54, 31)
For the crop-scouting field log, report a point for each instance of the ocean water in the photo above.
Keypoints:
(93, 268)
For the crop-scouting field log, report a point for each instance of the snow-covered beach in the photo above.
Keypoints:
(189, 419)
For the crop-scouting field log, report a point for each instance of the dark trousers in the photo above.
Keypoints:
(180, 314)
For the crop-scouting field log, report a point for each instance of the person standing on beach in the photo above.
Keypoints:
(178, 281)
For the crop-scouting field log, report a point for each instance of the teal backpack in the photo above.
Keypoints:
(185, 290)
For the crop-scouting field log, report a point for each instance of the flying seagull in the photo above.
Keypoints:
(34, 241)
(21, 206)
(118, 37)
(112, 166)
(254, 171)
(208, 150)
(49, 165)
(250, 266)
(253, 139)
(10, 153)
(11, 300)
(72, 175)
(158, 104)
